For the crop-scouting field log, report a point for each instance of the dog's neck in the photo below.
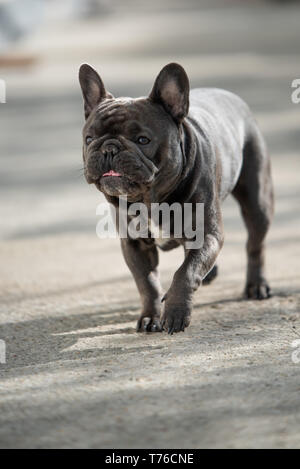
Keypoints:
(189, 150)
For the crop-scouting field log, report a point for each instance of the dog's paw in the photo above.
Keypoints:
(175, 319)
(257, 290)
(147, 324)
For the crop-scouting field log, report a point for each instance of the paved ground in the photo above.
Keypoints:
(77, 375)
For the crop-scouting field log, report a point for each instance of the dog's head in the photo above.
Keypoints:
(132, 146)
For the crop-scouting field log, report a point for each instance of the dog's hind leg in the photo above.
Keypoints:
(254, 192)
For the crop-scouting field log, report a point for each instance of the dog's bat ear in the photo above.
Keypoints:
(92, 87)
(171, 90)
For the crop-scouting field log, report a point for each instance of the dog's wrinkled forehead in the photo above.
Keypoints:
(125, 115)
(113, 114)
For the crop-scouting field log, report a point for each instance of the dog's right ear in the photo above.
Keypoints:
(92, 87)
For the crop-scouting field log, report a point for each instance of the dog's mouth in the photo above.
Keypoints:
(111, 173)
(118, 184)
(125, 174)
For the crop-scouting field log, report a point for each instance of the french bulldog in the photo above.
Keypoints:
(182, 146)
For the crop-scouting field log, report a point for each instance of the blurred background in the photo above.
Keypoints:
(67, 298)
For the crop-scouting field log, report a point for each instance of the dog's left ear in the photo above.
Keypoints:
(171, 90)
(92, 87)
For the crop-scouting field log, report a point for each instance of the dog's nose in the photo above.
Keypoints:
(110, 148)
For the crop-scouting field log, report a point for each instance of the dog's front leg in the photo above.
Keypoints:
(197, 264)
(141, 256)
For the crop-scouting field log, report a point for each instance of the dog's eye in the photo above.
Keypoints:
(88, 140)
(143, 140)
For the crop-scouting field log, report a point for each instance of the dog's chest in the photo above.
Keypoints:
(161, 234)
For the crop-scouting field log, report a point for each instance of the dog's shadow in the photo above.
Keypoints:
(46, 340)
(50, 339)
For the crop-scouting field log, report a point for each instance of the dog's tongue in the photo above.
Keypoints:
(111, 173)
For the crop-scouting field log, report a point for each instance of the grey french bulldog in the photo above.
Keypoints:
(178, 145)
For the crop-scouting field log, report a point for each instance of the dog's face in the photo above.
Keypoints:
(132, 146)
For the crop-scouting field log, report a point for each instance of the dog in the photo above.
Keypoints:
(181, 146)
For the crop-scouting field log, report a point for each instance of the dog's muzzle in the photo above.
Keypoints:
(110, 147)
